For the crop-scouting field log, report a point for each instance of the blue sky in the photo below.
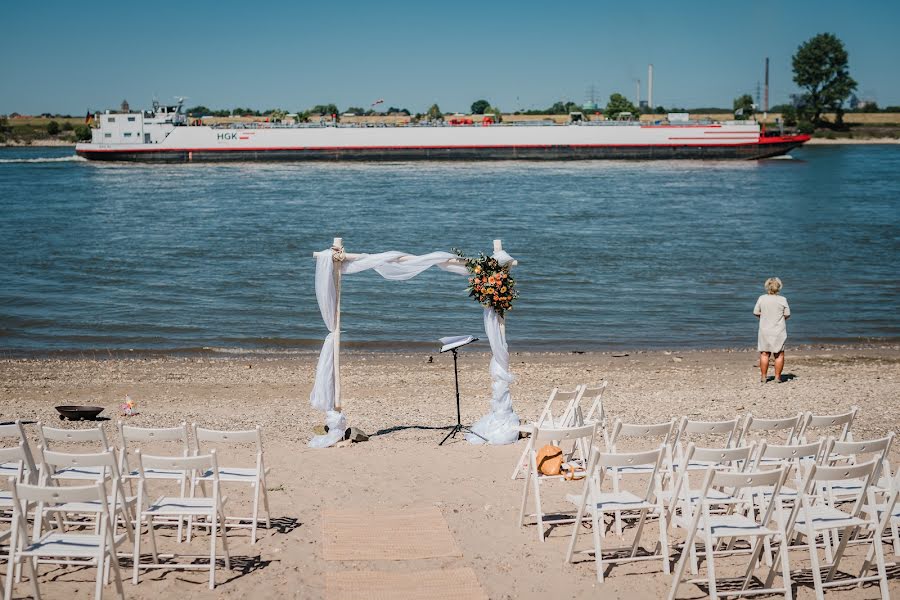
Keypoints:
(68, 57)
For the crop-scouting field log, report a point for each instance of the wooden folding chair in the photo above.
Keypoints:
(14, 460)
(559, 403)
(741, 524)
(98, 549)
(621, 504)
(596, 411)
(254, 476)
(583, 439)
(756, 429)
(179, 507)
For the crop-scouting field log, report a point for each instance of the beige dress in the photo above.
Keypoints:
(772, 310)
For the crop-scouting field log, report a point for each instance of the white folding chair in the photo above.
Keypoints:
(621, 504)
(254, 476)
(583, 439)
(211, 508)
(118, 502)
(756, 429)
(596, 411)
(688, 431)
(559, 403)
(98, 549)
(13, 459)
(16, 430)
(843, 421)
(796, 459)
(857, 452)
(93, 436)
(720, 459)
(813, 516)
(134, 438)
(740, 524)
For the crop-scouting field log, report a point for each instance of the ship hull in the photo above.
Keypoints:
(754, 151)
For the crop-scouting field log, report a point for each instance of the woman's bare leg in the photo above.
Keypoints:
(763, 366)
(779, 365)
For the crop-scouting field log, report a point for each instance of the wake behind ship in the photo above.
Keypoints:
(166, 135)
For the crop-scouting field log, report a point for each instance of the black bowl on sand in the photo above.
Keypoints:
(79, 413)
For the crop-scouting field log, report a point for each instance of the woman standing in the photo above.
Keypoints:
(772, 311)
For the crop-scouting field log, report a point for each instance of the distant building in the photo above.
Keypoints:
(125, 108)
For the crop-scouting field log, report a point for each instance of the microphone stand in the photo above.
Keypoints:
(459, 427)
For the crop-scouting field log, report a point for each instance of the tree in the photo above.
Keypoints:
(619, 104)
(277, 115)
(356, 110)
(743, 107)
(82, 133)
(820, 66)
(479, 106)
(434, 113)
(66, 126)
(324, 109)
(52, 128)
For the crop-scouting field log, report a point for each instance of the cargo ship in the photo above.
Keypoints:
(166, 135)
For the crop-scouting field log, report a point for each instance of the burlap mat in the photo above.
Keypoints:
(397, 535)
(447, 584)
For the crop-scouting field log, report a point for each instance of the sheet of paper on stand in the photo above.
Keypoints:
(455, 341)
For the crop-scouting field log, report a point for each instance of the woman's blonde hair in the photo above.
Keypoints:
(773, 285)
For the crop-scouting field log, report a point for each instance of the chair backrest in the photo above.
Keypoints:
(51, 461)
(557, 410)
(131, 434)
(221, 436)
(720, 457)
(15, 454)
(92, 434)
(547, 434)
(178, 463)
(654, 431)
(16, 430)
(789, 425)
(60, 494)
(878, 447)
(842, 420)
(688, 427)
(793, 453)
(596, 411)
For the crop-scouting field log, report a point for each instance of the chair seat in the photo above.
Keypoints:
(72, 545)
(157, 474)
(712, 494)
(786, 493)
(11, 469)
(92, 505)
(733, 526)
(612, 501)
(232, 474)
(826, 517)
(6, 500)
(90, 473)
(175, 505)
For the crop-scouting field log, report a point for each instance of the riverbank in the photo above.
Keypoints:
(403, 400)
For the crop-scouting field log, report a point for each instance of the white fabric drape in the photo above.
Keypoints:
(498, 426)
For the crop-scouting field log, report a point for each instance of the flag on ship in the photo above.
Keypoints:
(87, 117)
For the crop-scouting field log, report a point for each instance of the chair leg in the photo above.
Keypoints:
(256, 485)
(814, 560)
(637, 535)
(33, 572)
(151, 530)
(117, 573)
(785, 572)
(224, 531)
(539, 514)
(525, 487)
(136, 553)
(711, 564)
(101, 570)
(664, 540)
(265, 499)
(214, 521)
(596, 524)
(882, 567)
(522, 461)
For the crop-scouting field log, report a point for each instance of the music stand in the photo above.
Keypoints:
(451, 344)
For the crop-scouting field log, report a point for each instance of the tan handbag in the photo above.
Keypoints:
(550, 460)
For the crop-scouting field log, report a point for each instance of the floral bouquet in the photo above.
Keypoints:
(490, 283)
(129, 407)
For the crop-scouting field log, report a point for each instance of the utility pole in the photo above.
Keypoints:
(650, 87)
(766, 97)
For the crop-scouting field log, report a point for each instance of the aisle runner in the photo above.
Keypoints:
(399, 535)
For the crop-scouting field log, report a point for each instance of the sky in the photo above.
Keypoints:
(70, 57)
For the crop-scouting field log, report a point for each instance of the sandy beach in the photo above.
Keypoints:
(403, 400)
